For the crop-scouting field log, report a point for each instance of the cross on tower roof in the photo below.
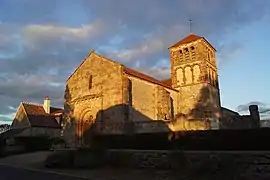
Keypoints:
(190, 26)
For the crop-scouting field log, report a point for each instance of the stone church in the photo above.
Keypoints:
(103, 91)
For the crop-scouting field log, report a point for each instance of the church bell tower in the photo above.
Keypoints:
(194, 74)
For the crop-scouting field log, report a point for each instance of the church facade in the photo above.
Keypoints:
(105, 91)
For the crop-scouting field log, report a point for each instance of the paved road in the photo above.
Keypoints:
(10, 173)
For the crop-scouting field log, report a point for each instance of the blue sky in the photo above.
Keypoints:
(42, 42)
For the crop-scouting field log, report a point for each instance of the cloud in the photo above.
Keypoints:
(43, 42)
(35, 34)
(4, 120)
(162, 24)
(32, 88)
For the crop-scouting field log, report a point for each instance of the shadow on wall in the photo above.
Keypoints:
(103, 131)
(205, 110)
(146, 134)
(198, 118)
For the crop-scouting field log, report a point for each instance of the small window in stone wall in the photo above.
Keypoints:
(90, 82)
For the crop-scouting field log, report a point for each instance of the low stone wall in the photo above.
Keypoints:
(217, 164)
(230, 164)
(14, 149)
(144, 158)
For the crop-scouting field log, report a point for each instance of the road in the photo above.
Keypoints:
(10, 173)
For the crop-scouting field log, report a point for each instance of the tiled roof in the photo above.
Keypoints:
(54, 110)
(145, 77)
(168, 82)
(39, 118)
(190, 38)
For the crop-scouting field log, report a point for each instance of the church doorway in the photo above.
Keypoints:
(86, 127)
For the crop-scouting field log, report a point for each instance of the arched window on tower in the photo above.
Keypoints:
(192, 48)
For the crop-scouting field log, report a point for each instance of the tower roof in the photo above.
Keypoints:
(188, 39)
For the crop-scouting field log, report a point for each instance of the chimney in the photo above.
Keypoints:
(255, 115)
(46, 104)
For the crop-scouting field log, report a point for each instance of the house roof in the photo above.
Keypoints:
(39, 118)
(145, 77)
(188, 39)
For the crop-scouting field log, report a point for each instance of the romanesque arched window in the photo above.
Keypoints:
(90, 82)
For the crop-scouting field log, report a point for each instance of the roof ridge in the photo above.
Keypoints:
(109, 59)
(187, 39)
(31, 103)
(151, 79)
(166, 79)
(36, 104)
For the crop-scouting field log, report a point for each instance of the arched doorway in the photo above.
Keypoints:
(84, 128)
(86, 138)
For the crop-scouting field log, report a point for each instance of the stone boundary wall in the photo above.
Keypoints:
(195, 164)
(244, 164)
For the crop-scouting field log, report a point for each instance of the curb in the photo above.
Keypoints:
(45, 171)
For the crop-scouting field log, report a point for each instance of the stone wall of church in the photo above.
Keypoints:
(198, 104)
(150, 101)
(192, 108)
(94, 92)
(98, 91)
(194, 74)
(163, 103)
(214, 105)
(143, 100)
(188, 63)
(174, 100)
